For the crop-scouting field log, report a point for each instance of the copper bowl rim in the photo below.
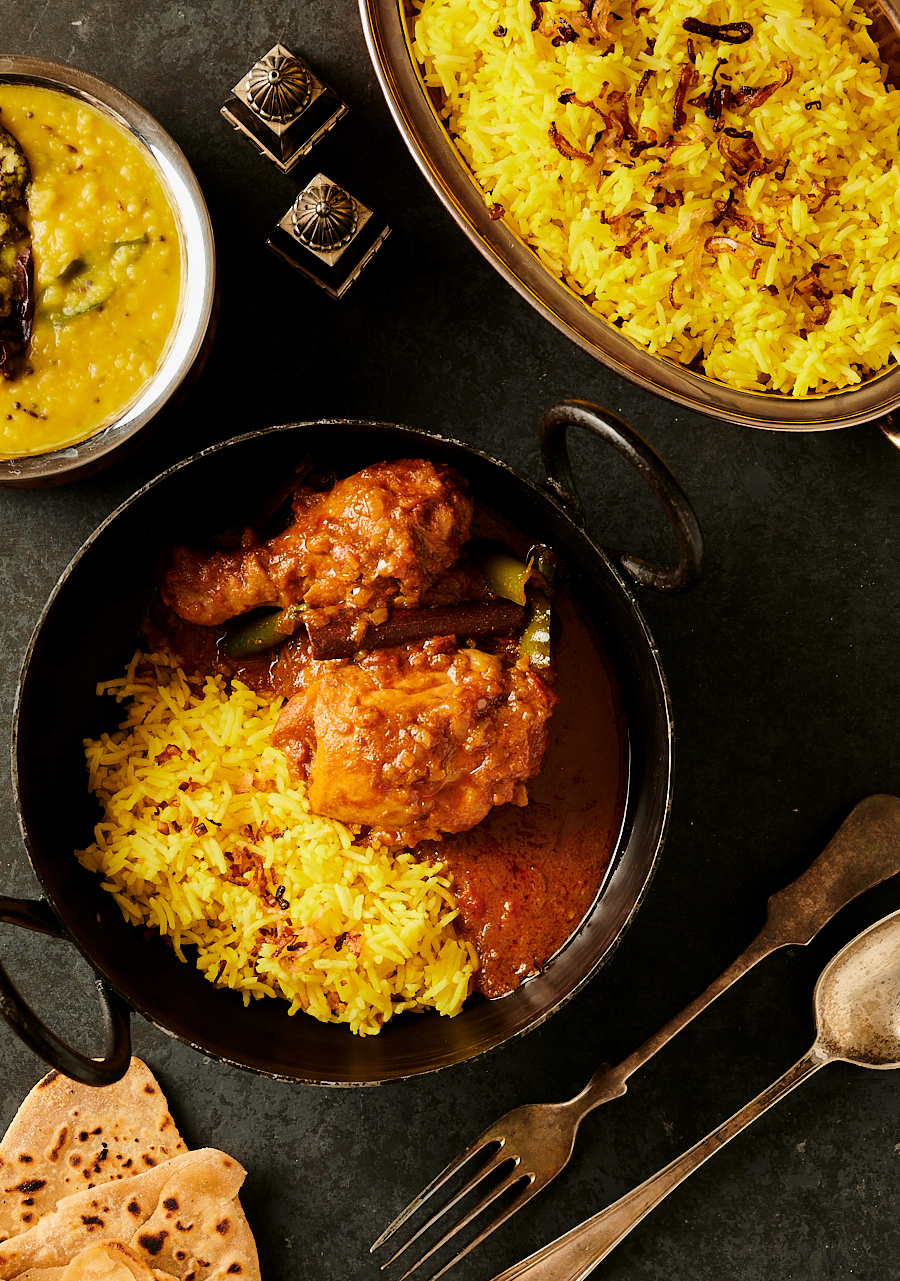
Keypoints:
(385, 27)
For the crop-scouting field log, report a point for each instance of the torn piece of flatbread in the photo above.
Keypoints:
(106, 1261)
(67, 1137)
(181, 1219)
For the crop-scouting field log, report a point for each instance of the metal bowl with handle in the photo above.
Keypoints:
(87, 633)
(191, 338)
(385, 23)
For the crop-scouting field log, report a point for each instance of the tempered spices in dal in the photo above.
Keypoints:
(718, 181)
(207, 839)
(107, 272)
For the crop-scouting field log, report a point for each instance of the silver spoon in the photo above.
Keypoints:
(535, 1140)
(857, 1009)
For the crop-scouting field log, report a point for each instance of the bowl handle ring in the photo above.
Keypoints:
(36, 914)
(555, 454)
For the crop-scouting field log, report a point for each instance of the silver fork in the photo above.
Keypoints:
(537, 1139)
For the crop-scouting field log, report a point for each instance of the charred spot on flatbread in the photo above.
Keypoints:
(71, 1137)
(158, 1213)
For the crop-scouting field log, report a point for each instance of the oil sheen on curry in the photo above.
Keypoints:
(441, 689)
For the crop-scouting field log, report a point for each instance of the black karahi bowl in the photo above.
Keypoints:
(110, 582)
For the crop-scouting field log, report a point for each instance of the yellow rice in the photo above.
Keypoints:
(835, 123)
(345, 932)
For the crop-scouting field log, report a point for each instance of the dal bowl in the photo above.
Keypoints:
(111, 582)
(123, 267)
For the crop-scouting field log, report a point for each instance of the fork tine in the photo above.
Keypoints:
(458, 1163)
(511, 1179)
(494, 1161)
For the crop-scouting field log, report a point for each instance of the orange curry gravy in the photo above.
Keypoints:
(524, 878)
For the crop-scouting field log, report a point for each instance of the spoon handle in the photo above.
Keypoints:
(863, 852)
(573, 1256)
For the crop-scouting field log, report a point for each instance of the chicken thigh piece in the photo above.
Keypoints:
(416, 740)
(379, 537)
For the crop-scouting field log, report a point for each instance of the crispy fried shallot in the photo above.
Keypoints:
(638, 235)
(686, 82)
(538, 9)
(596, 13)
(744, 157)
(618, 119)
(687, 227)
(758, 236)
(823, 194)
(565, 148)
(565, 34)
(728, 245)
(751, 98)
(731, 32)
(814, 294)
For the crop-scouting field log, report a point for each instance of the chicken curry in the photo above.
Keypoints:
(419, 702)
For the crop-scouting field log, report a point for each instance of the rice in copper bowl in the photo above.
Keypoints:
(720, 182)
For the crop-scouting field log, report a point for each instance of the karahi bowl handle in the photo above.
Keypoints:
(672, 498)
(35, 914)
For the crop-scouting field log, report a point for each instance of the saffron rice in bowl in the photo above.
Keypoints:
(718, 182)
(206, 839)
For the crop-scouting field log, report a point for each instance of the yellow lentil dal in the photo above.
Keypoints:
(96, 201)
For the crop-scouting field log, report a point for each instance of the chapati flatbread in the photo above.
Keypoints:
(181, 1218)
(106, 1261)
(67, 1137)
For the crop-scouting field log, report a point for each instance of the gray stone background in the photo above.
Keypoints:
(783, 672)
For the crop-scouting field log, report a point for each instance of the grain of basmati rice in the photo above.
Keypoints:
(207, 839)
(808, 301)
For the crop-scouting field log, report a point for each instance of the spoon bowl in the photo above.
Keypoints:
(857, 999)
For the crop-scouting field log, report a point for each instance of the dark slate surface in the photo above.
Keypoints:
(782, 666)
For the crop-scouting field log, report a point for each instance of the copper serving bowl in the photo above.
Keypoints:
(387, 34)
(111, 582)
(192, 333)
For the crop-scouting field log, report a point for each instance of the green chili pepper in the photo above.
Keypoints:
(89, 281)
(504, 574)
(261, 632)
(535, 640)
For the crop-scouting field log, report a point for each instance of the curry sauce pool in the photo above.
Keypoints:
(107, 271)
(718, 181)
